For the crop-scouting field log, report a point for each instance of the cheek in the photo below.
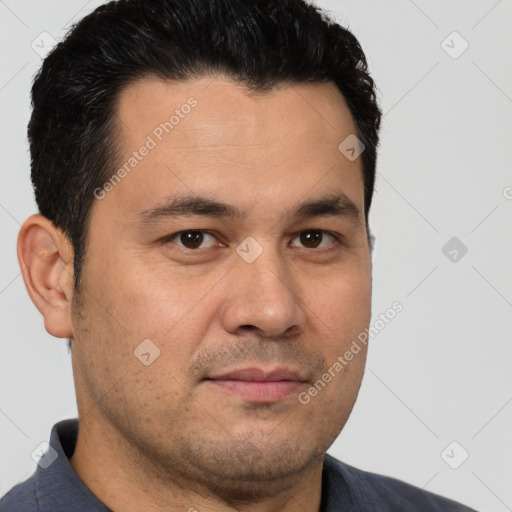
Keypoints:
(169, 307)
(341, 306)
(149, 300)
(107, 333)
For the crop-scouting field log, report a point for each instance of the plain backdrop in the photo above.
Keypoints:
(438, 384)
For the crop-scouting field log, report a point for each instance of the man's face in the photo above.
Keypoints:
(243, 325)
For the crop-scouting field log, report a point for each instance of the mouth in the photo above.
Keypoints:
(259, 385)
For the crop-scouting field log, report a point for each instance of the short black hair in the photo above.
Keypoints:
(258, 43)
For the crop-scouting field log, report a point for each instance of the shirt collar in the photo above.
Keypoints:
(58, 487)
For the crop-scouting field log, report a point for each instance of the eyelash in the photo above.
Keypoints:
(338, 239)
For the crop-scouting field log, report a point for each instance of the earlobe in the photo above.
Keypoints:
(45, 256)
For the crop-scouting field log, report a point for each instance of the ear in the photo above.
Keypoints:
(371, 242)
(45, 256)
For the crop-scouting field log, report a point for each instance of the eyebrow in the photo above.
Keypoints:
(332, 205)
(335, 205)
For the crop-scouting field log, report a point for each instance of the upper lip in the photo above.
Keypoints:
(261, 375)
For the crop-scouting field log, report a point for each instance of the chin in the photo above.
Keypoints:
(251, 467)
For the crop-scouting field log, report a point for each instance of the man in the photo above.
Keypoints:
(204, 172)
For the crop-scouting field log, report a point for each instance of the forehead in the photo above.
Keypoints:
(227, 112)
(211, 136)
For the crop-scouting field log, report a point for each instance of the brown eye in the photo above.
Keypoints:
(191, 239)
(311, 239)
(314, 239)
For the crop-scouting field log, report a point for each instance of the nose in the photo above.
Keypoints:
(262, 297)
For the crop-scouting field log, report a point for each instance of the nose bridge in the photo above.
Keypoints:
(271, 277)
(264, 295)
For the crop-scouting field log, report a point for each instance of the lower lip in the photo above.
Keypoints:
(259, 391)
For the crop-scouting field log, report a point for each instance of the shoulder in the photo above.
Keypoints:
(21, 498)
(36, 492)
(370, 491)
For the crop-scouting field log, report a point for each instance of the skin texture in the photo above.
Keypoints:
(161, 437)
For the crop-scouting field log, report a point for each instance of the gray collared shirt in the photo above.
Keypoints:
(57, 488)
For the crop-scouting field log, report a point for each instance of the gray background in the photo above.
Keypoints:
(440, 371)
